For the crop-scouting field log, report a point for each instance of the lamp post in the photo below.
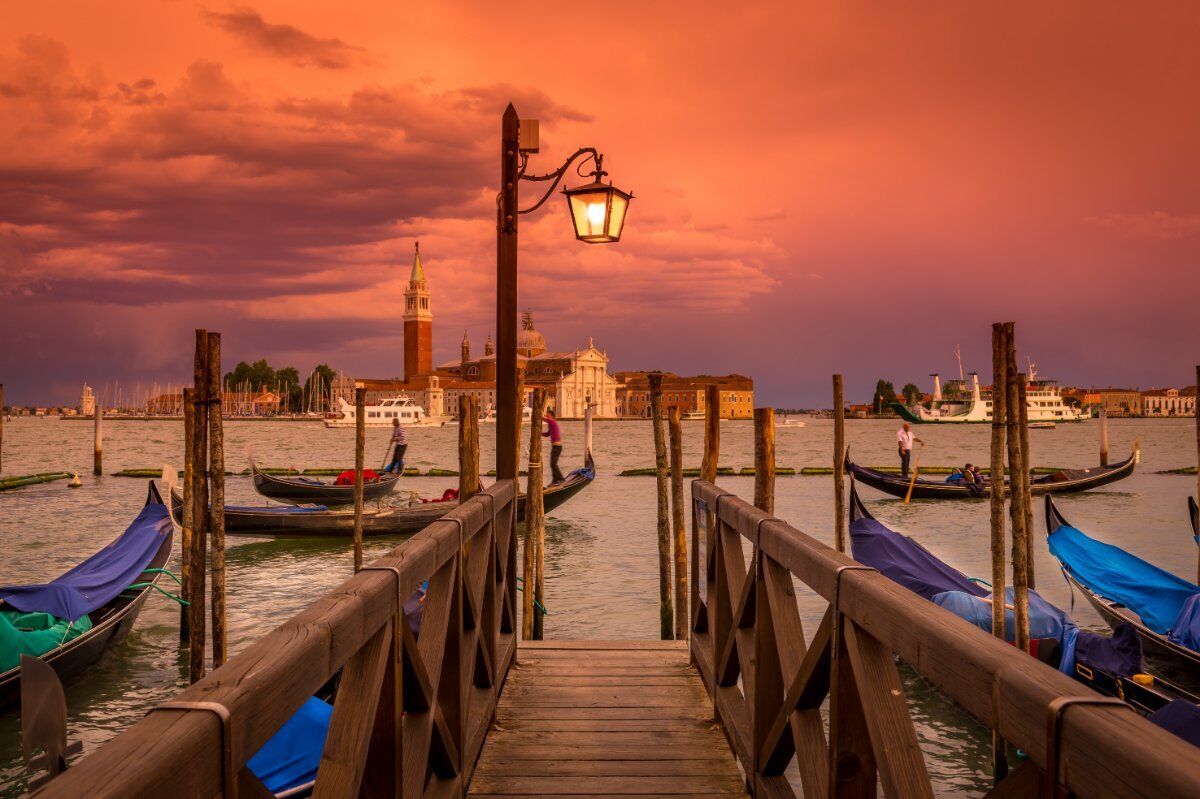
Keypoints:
(597, 211)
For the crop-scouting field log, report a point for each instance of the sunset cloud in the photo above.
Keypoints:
(285, 41)
(810, 180)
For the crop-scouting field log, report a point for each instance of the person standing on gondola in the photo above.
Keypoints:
(554, 433)
(399, 447)
(904, 441)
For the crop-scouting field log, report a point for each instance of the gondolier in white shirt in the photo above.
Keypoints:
(399, 446)
(904, 440)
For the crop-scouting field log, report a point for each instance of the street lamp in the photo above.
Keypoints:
(598, 212)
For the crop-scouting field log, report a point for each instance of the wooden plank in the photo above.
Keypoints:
(654, 722)
(505, 712)
(601, 752)
(631, 645)
(893, 737)
(682, 736)
(609, 795)
(349, 738)
(640, 785)
(643, 768)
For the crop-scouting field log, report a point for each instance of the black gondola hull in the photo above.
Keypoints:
(81, 653)
(287, 523)
(299, 492)
(898, 486)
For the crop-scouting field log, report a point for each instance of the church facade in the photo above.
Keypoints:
(572, 379)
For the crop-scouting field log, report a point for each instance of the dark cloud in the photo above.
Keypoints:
(286, 41)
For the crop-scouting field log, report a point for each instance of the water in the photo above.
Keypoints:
(601, 560)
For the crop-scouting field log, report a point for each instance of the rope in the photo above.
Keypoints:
(168, 594)
(538, 605)
(163, 571)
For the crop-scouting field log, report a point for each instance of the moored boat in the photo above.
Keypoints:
(1065, 481)
(71, 621)
(1194, 515)
(1107, 665)
(1162, 608)
(301, 490)
(298, 521)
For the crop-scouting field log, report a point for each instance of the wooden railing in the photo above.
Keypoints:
(410, 712)
(768, 680)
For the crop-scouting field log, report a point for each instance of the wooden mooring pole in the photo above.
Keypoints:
(678, 527)
(199, 554)
(185, 580)
(360, 446)
(839, 464)
(996, 478)
(98, 439)
(535, 517)
(1016, 504)
(712, 433)
(1198, 459)
(665, 611)
(468, 447)
(1027, 462)
(764, 459)
(216, 511)
(1, 428)
(1103, 436)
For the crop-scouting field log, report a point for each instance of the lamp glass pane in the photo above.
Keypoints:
(589, 212)
(616, 216)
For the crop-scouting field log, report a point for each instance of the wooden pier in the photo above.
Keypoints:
(462, 708)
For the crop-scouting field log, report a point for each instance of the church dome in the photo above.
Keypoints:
(530, 342)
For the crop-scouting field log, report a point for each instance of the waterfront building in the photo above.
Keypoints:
(685, 393)
(1119, 401)
(87, 401)
(1169, 402)
(573, 379)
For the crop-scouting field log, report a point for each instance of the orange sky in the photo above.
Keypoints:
(849, 187)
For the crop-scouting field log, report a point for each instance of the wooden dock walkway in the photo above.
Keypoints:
(605, 718)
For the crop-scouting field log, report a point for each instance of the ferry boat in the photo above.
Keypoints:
(381, 415)
(1044, 398)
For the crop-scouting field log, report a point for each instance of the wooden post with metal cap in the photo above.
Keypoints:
(360, 445)
(839, 465)
(666, 615)
(679, 528)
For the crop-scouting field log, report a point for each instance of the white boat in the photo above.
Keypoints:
(790, 422)
(692, 416)
(1044, 398)
(489, 415)
(399, 407)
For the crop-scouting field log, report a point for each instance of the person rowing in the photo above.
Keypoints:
(904, 442)
(399, 445)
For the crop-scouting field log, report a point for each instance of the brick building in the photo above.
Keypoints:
(685, 393)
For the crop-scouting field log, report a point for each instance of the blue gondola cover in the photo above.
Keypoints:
(902, 559)
(1156, 595)
(292, 755)
(100, 578)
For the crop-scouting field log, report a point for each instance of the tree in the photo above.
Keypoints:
(911, 394)
(885, 394)
(288, 380)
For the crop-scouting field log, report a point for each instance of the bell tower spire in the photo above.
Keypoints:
(418, 322)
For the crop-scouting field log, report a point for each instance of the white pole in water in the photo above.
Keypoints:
(98, 455)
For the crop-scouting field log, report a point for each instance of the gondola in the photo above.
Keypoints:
(1065, 481)
(1107, 665)
(1194, 515)
(295, 521)
(109, 588)
(1162, 608)
(302, 490)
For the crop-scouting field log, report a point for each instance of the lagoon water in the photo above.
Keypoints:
(601, 559)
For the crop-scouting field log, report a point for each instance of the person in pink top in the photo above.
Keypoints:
(554, 432)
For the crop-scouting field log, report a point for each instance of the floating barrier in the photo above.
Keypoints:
(9, 483)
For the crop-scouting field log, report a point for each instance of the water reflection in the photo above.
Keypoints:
(601, 547)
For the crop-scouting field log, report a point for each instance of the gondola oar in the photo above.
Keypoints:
(916, 468)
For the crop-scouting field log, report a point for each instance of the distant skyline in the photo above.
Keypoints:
(851, 188)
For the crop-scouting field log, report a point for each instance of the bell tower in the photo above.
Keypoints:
(466, 349)
(418, 323)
